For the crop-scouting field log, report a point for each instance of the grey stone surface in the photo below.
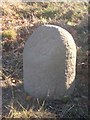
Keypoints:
(49, 63)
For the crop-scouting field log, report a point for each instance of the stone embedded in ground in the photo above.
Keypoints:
(49, 63)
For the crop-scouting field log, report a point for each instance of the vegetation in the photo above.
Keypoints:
(18, 22)
(31, 113)
(10, 34)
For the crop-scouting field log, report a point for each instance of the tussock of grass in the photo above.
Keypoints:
(14, 113)
(31, 113)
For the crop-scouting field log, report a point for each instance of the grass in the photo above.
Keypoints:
(10, 34)
(28, 114)
(24, 18)
(31, 113)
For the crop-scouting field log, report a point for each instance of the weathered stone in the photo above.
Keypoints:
(49, 63)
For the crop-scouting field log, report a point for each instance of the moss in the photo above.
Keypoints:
(10, 34)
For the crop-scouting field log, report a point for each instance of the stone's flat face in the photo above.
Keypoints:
(49, 63)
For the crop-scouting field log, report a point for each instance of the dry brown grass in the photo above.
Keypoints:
(31, 113)
(17, 17)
